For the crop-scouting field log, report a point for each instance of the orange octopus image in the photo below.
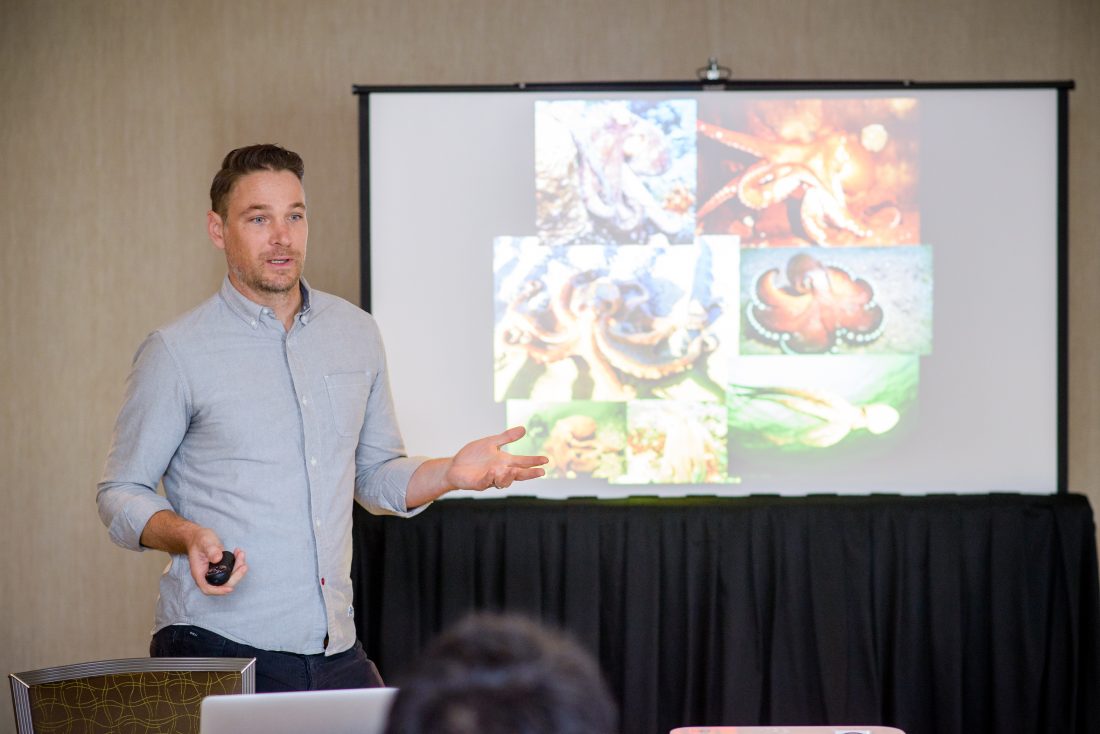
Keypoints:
(820, 306)
(817, 172)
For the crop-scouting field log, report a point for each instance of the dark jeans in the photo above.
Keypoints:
(275, 671)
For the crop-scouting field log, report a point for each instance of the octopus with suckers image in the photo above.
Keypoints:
(608, 327)
(819, 307)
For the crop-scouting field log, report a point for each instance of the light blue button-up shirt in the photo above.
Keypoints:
(263, 435)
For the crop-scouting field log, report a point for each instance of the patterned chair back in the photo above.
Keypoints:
(134, 695)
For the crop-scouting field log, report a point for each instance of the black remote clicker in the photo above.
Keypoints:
(219, 572)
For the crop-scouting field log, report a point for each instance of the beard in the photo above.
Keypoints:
(259, 281)
(283, 284)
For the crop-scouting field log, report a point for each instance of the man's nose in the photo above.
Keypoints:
(280, 233)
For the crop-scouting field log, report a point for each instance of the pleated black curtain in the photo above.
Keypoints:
(944, 614)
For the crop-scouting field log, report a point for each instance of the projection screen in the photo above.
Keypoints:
(754, 289)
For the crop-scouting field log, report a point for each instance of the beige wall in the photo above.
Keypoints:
(114, 115)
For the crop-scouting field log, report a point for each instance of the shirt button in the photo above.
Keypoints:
(313, 461)
(305, 400)
(253, 322)
(317, 522)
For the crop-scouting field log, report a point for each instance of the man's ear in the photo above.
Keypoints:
(215, 227)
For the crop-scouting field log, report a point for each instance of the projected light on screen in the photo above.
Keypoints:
(618, 342)
(731, 293)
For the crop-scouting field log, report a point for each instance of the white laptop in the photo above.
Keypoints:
(350, 711)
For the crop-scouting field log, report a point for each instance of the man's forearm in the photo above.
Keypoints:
(169, 532)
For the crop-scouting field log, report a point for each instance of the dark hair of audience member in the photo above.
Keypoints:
(503, 674)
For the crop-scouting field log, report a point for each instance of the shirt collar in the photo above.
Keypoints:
(251, 312)
(305, 295)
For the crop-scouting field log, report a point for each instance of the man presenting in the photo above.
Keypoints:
(266, 411)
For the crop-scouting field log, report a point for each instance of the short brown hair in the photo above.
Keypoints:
(243, 161)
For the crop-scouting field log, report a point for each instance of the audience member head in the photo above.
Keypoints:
(243, 161)
(503, 674)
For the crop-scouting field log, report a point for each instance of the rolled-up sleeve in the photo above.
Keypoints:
(151, 425)
(382, 469)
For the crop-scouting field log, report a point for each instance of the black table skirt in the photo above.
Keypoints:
(940, 614)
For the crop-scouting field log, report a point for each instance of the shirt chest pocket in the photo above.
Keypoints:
(347, 394)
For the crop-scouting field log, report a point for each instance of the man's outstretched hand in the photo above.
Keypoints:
(483, 463)
(478, 465)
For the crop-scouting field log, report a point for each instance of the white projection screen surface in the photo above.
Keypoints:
(725, 292)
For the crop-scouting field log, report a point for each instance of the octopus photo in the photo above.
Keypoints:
(675, 442)
(605, 173)
(610, 328)
(819, 307)
(814, 418)
(812, 172)
(575, 447)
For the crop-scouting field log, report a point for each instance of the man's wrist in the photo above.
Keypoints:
(429, 482)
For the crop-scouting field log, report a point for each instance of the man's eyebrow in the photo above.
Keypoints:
(267, 208)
